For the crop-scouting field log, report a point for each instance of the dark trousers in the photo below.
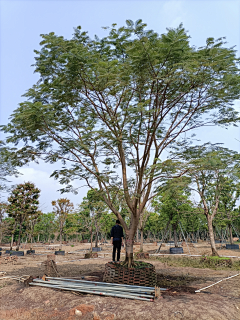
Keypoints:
(116, 246)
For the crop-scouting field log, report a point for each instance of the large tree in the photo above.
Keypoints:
(107, 108)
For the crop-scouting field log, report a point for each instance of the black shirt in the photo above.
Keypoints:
(117, 232)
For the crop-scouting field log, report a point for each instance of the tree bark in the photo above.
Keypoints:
(19, 236)
(11, 245)
(170, 233)
(141, 245)
(211, 235)
(91, 238)
(129, 251)
(96, 239)
(230, 233)
(60, 235)
(175, 235)
(130, 234)
(31, 242)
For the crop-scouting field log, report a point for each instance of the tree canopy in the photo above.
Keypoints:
(107, 108)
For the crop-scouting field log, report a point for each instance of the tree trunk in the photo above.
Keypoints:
(137, 235)
(19, 236)
(141, 245)
(91, 239)
(175, 235)
(130, 234)
(96, 239)
(230, 233)
(60, 235)
(11, 245)
(170, 233)
(211, 235)
(129, 251)
(31, 247)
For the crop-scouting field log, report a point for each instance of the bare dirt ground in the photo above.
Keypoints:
(220, 302)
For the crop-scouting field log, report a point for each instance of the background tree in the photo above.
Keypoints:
(97, 207)
(109, 107)
(46, 226)
(172, 202)
(30, 225)
(62, 207)
(107, 221)
(23, 203)
(208, 167)
(229, 196)
(72, 227)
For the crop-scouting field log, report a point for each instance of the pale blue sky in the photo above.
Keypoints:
(22, 22)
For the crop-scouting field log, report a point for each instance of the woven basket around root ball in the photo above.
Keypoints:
(139, 276)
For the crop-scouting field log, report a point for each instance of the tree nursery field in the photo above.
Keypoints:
(182, 275)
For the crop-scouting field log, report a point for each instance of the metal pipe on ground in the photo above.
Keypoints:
(105, 283)
(97, 287)
(112, 294)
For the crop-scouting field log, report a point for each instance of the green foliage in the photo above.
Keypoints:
(214, 173)
(6, 167)
(109, 107)
(173, 200)
(46, 226)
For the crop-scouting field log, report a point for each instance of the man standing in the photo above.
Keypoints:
(117, 239)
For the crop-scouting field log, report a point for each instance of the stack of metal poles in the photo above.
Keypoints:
(100, 288)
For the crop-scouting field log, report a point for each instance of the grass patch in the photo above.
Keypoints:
(216, 263)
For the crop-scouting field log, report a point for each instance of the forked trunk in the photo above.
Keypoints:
(211, 235)
(141, 245)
